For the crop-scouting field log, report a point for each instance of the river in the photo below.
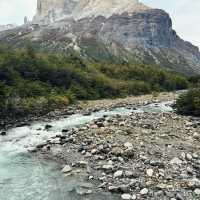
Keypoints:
(24, 176)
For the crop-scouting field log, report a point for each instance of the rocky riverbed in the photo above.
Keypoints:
(142, 155)
(85, 107)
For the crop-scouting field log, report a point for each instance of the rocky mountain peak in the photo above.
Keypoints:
(106, 8)
(107, 30)
(77, 9)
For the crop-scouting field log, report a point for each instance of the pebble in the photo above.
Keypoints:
(91, 177)
(179, 196)
(3, 133)
(67, 169)
(94, 151)
(134, 197)
(189, 156)
(193, 183)
(83, 192)
(118, 174)
(113, 188)
(176, 161)
(128, 145)
(83, 163)
(197, 191)
(128, 174)
(32, 149)
(126, 196)
(48, 126)
(107, 167)
(144, 191)
(195, 155)
(124, 188)
(89, 192)
(149, 172)
(196, 136)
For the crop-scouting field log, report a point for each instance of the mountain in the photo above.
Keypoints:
(107, 31)
(7, 27)
(48, 10)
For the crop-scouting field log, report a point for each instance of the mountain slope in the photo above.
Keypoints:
(35, 83)
(126, 31)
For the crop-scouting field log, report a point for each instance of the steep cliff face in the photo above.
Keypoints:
(51, 9)
(94, 8)
(78, 9)
(126, 31)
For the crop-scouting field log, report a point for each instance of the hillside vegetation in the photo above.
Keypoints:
(36, 82)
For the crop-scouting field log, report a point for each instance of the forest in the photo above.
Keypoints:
(32, 82)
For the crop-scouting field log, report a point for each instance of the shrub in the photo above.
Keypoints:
(57, 102)
(189, 102)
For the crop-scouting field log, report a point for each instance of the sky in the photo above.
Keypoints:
(185, 14)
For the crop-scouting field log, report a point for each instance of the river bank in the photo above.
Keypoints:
(133, 148)
(143, 155)
(84, 107)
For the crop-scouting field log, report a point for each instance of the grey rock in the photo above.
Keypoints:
(134, 197)
(129, 153)
(176, 161)
(83, 191)
(3, 133)
(195, 155)
(197, 191)
(156, 163)
(126, 196)
(144, 191)
(82, 163)
(48, 126)
(128, 174)
(117, 151)
(67, 169)
(179, 196)
(113, 188)
(193, 183)
(107, 167)
(188, 156)
(159, 193)
(118, 174)
(124, 188)
(196, 136)
(128, 145)
(32, 150)
(150, 172)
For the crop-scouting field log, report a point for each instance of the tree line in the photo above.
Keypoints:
(32, 82)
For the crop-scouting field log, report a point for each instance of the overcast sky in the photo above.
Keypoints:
(185, 14)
